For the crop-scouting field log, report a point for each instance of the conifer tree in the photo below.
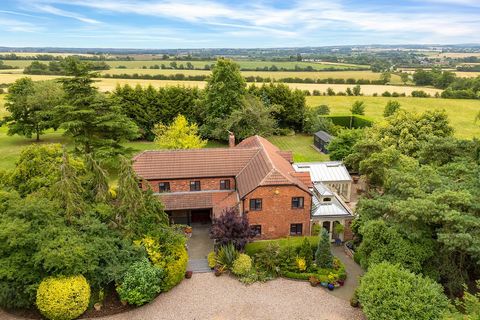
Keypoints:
(323, 255)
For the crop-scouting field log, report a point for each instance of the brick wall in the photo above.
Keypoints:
(182, 185)
(277, 213)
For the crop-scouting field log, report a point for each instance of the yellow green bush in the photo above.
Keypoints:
(175, 267)
(173, 258)
(212, 259)
(301, 264)
(242, 265)
(63, 298)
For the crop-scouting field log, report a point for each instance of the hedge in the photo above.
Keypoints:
(254, 247)
(356, 121)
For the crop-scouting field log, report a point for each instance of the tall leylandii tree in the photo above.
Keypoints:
(95, 123)
(224, 93)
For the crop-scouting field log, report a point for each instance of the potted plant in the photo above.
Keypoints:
(330, 286)
(313, 281)
(188, 274)
(97, 306)
(218, 270)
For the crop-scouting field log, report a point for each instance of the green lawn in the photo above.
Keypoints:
(461, 112)
(302, 147)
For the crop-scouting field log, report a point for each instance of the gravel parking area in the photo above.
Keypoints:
(205, 296)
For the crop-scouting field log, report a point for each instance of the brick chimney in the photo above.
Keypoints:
(231, 139)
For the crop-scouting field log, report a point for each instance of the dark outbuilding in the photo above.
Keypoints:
(321, 139)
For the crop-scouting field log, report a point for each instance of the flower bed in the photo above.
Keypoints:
(302, 258)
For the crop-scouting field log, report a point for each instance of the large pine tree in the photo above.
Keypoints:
(96, 124)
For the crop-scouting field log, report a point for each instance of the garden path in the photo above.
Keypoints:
(354, 272)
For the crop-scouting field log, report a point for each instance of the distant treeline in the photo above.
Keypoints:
(183, 77)
(147, 106)
(51, 57)
(469, 68)
(56, 67)
(3, 66)
(455, 87)
(189, 66)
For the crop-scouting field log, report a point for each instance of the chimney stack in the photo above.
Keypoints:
(231, 139)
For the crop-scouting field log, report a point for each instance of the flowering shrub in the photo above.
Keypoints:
(141, 283)
(242, 265)
(63, 298)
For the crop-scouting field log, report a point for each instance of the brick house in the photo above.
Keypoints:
(254, 176)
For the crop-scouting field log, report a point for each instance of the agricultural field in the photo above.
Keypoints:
(110, 84)
(461, 112)
(249, 64)
(364, 74)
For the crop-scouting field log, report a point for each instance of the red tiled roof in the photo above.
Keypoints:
(197, 163)
(254, 162)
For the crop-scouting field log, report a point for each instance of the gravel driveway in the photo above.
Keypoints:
(205, 296)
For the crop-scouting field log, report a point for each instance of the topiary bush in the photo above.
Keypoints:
(390, 292)
(242, 265)
(141, 283)
(63, 298)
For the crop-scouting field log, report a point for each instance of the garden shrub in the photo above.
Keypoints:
(231, 227)
(301, 264)
(269, 259)
(175, 267)
(242, 265)
(390, 292)
(227, 255)
(171, 256)
(63, 298)
(212, 259)
(323, 255)
(254, 247)
(306, 253)
(141, 283)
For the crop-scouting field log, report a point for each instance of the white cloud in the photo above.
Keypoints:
(67, 14)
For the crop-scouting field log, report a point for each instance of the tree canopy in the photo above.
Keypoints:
(178, 135)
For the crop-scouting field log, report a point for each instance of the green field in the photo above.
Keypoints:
(249, 64)
(461, 112)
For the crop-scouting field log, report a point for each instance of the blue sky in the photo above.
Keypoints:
(237, 24)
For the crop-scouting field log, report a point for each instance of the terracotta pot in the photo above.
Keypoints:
(188, 274)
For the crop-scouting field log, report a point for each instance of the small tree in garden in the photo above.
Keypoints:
(323, 255)
(178, 135)
(358, 107)
(306, 252)
(230, 227)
